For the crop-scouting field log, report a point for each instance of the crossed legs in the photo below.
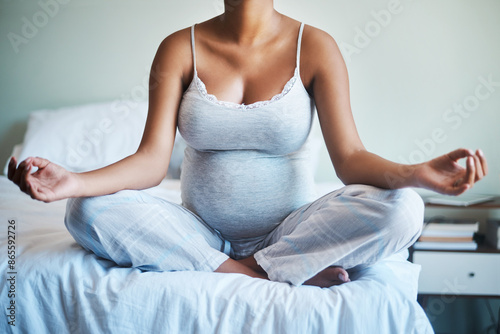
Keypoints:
(354, 226)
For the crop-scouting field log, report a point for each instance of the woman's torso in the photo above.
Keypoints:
(246, 167)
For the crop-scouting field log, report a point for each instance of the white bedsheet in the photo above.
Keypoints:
(61, 288)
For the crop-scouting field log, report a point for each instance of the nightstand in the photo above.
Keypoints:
(450, 274)
(472, 273)
(460, 272)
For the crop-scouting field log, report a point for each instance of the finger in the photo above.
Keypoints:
(484, 164)
(40, 162)
(460, 153)
(465, 183)
(470, 174)
(24, 178)
(19, 172)
(12, 168)
(479, 168)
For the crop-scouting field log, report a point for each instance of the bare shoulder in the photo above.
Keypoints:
(320, 54)
(178, 40)
(174, 54)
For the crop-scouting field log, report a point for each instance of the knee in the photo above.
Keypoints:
(79, 211)
(395, 213)
(404, 212)
(79, 222)
(84, 211)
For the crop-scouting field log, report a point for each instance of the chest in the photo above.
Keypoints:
(246, 74)
(277, 126)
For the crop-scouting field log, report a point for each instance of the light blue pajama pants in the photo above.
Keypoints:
(356, 225)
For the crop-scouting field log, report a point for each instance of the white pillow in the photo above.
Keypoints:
(86, 137)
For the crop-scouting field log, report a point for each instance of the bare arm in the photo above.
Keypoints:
(143, 169)
(148, 166)
(352, 162)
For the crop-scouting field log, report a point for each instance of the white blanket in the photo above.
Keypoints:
(61, 288)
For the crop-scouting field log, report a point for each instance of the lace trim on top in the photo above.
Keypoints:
(212, 98)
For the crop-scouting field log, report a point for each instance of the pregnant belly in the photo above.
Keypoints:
(244, 194)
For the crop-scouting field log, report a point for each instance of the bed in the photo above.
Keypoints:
(55, 286)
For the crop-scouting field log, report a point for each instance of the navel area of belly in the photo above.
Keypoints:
(241, 194)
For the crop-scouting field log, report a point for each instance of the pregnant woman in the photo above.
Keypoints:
(242, 88)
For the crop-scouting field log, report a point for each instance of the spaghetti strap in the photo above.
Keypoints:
(193, 48)
(299, 42)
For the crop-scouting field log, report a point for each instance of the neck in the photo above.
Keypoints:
(248, 21)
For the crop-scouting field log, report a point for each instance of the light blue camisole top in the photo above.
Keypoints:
(246, 167)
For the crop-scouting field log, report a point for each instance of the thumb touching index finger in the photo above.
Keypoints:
(40, 162)
(460, 153)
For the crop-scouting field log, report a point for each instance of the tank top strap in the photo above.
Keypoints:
(299, 42)
(193, 50)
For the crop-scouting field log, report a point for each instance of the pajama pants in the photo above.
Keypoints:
(352, 227)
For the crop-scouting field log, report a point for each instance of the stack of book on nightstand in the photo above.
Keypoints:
(448, 236)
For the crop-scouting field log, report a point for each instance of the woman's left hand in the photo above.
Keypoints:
(446, 176)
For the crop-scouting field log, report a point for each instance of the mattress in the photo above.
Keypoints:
(55, 286)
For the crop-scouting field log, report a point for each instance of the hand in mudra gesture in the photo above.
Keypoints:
(49, 183)
(446, 176)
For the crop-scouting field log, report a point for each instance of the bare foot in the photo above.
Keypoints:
(329, 277)
(242, 267)
(251, 263)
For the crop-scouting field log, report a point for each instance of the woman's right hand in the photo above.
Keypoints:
(49, 183)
